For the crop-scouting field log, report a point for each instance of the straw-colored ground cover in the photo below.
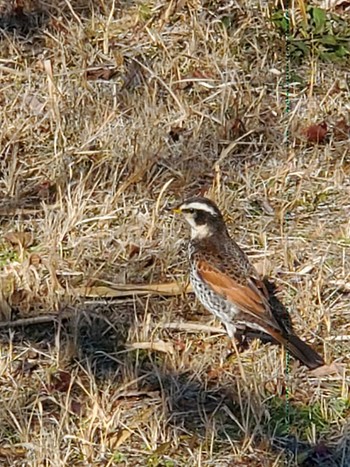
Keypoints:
(112, 112)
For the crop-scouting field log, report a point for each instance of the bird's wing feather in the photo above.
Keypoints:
(250, 297)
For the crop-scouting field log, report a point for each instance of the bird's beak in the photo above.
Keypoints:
(177, 209)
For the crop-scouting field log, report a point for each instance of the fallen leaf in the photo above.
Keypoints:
(9, 452)
(60, 381)
(127, 290)
(215, 372)
(158, 346)
(34, 259)
(326, 370)
(133, 250)
(162, 448)
(342, 7)
(46, 190)
(235, 128)
(180, 345)
(341, 130)
(24, 239)
(204, 190)
(199, 74)
(76, 407)
(104, 73)
(316, 133)
(122, 435)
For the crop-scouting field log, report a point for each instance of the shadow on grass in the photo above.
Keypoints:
(227, 414)
(15, 19)
(87, 338)
(219, 413)
(25, 19)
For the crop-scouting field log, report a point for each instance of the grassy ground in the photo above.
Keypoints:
(111, 112)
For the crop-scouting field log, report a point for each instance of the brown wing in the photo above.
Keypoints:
(250, 297)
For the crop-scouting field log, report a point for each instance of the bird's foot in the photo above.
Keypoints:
(242, 343)
(239, 344)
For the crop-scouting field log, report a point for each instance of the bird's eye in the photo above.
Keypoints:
(189, 210)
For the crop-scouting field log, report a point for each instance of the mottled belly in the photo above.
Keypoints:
(213, 302)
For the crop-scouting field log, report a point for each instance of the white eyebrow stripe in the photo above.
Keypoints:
(200, 207)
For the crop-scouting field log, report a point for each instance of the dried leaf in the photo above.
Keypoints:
(341, 130)
(162, 448)
(39, 65)
(7, 285)
(11, 452)
(133, 250)
(180, 345)
(343, 8)
(157, 346)
(199, 74)
(124, 434)
(235, 128)
(45, 190)
(60, 381)
(316, 133)
(127, 290)
(326, 370)
(34, 259)
(215, 373)
(76, 407)
(104, 73)
(24, 239)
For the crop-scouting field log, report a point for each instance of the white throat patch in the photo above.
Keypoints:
(199, 232)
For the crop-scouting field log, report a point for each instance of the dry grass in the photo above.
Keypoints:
(89, 168)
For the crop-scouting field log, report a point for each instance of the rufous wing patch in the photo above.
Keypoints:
(245, 297)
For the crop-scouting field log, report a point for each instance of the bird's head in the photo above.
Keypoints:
(203, 216)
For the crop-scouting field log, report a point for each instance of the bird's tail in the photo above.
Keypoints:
(303, 352)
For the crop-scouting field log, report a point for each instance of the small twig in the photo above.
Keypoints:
(35, 320)
(343, 285)
(344, 337)
(192, 327)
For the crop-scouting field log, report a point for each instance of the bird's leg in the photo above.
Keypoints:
(242, 341)
(238, 335)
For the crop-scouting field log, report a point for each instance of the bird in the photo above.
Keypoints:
(228, 285)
